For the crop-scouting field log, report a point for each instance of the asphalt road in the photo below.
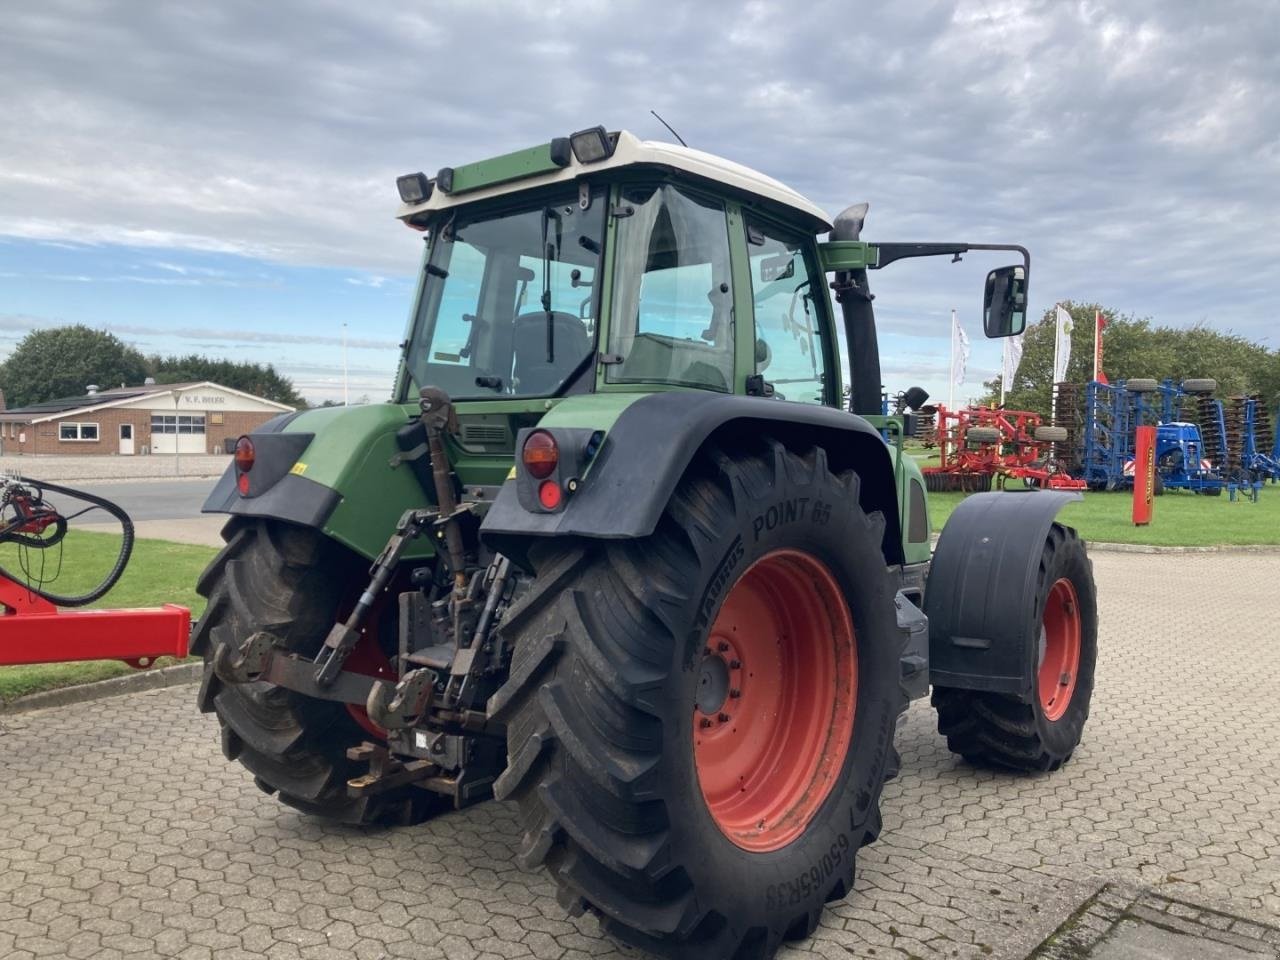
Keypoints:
(149, 499)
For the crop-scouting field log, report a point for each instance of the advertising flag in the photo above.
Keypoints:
(1063, 325)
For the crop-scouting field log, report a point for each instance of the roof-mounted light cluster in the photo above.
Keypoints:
(414, 187)
(592, 145)
(588, 146)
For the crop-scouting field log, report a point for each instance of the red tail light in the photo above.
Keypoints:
(244, 455)
(549, 494)
(540, 454)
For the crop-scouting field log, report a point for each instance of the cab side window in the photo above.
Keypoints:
(672, 319)
(788, 335)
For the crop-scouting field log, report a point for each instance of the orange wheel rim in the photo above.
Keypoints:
(1059, 649)
(776, 700)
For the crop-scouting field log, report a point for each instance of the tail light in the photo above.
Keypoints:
(540, 454)
(244, 457)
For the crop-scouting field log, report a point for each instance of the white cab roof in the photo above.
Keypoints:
(632, 151)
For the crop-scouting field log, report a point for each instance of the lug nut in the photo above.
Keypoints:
(704, 722)
(735, 694)
(722, 646)
(735, 664)
(724, 718)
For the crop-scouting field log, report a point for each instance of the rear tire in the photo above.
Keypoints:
(607, 704)
(1051, 434)
(992, 729)
(1204, 385)
(289, 580)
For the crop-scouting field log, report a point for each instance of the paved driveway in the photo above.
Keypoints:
(123, 831)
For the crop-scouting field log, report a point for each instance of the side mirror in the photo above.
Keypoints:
(1004, 305)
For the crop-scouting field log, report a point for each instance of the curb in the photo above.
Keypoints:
(117, 686)
(1104, 547)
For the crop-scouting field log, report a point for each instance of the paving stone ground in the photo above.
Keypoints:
(123, 832)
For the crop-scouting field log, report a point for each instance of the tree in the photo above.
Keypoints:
(64, 361)
(1135, 347)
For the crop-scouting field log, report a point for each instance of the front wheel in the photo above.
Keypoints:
(700, 722)
(994, 729)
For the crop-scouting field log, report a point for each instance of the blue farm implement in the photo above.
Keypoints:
(1191, 439)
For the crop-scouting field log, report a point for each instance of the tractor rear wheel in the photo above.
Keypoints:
(700, 722)
(992, 729)
(290, 580)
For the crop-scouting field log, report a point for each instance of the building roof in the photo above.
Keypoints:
(53, 409)
(631, 151)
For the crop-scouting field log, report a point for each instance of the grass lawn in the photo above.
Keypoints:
(158, 572)
(1180, 518)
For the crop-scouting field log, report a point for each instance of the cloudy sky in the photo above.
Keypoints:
(219, 177)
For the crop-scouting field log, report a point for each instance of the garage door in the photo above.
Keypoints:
(180, 433)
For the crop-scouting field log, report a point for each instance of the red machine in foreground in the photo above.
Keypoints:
(32, 627)
(982, 446)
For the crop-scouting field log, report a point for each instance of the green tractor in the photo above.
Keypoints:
(619, 551)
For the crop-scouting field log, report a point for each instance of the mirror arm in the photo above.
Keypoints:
(889, 252)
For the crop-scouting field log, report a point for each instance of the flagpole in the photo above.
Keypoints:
(1057, 340)
(951, 371)
(1097, 336)
(1004, 362)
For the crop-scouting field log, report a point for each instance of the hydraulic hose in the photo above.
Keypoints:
(12, 533)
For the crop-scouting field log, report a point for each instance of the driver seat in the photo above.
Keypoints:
(536, 377)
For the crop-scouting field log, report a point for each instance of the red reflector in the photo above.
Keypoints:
(540, 455)
(242, 484)
(549, 494)
(244, 455)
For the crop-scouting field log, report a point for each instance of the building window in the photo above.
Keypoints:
(174, 423)
(78, 432)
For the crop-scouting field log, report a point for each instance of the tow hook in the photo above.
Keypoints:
(248, 663)
(401, 706)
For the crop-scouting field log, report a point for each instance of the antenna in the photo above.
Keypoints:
(669, 127)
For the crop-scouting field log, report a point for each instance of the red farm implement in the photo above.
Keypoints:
(35, 626)
(984, 446)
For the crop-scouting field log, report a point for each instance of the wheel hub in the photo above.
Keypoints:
(713, 683)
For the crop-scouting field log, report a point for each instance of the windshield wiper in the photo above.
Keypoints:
(548, 250)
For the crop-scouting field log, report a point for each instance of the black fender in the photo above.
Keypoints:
(652, 443)
(273, 491)
(981, 593)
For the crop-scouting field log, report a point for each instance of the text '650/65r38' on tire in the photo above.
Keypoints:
(700, 722)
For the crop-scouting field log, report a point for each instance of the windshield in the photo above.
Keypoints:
(509, 303)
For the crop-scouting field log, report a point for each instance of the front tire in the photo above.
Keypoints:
(622, 760)
(290, 580)
(993, 729)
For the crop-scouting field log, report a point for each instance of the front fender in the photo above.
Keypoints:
(981, 593)
(652, 442)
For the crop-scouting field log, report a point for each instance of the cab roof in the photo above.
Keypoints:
(630, 151)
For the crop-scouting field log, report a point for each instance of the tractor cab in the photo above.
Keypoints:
(621, 267)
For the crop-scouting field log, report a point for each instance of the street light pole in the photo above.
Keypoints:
(346, 400)
(177, 471)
